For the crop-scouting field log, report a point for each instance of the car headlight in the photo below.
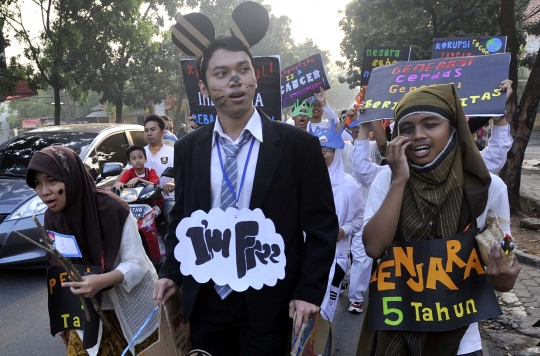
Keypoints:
(129, 194)
(33, 206)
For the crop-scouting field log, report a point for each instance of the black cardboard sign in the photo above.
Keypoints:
(267, 96)
(431, 285)
(303, 79)
(65, 309)
(381, 56)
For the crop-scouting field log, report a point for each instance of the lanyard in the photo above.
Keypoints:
(227, 180)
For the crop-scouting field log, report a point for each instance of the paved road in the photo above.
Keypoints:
(347, 328)
(24, 322)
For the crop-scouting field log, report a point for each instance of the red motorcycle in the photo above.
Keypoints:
(141, 200)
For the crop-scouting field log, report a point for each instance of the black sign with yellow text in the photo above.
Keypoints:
(430, 286)
(476, 79)
(65, 309)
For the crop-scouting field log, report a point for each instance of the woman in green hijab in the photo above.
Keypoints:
(437, 186)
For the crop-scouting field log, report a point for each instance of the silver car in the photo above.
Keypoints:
(96, 144)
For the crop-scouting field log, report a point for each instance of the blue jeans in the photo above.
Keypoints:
(167, 207)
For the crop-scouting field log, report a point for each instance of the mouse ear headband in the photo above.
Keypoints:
(194, 32)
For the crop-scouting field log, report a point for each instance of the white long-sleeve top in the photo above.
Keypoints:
(364, 170)
(131, 300)
(498, 146)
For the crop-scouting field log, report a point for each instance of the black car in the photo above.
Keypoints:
(96, 144)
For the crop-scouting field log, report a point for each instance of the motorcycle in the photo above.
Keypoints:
(143, 209)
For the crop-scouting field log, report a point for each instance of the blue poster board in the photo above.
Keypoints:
(476, 79)
(467, 46)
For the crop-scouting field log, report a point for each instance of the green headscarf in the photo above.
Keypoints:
(452, 191)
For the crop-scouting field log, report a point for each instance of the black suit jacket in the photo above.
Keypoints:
(292, 187)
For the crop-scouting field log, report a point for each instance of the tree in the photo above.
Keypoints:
(411, 22)
(40, 106)
(396, 22)
(50, 50)
(117, 58)
(278, 39)
(10, 73)
(523, 113)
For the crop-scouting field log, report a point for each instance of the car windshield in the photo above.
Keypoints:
(15, 154)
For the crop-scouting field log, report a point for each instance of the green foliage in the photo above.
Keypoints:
(278, 40)
(29, 108)
(12, 75)
(412, 22)
(120, 58)
(40, 106)
(50, 50)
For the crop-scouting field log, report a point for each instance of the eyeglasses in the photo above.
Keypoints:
(328, 149)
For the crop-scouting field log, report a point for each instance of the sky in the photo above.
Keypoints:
(313, 19)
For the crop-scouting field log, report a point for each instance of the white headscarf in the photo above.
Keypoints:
(347, 192)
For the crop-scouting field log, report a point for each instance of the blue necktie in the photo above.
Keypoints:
(228, 198)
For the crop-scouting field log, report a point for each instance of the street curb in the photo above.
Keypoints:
(527, 258)
(529, 202)
(524, 257)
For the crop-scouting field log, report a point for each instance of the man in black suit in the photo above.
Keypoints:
(286, 178)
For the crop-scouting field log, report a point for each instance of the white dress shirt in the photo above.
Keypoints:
(254, 126)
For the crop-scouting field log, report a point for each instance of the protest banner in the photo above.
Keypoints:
(430, 286)
(476, 80)
(267, 96)
(380, 56)
(467, 46)
(302, 80)
(65, 309)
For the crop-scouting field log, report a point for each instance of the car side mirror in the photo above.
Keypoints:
(111, 169)
(168, 172)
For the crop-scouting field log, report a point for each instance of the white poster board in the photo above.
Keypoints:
(239, 248)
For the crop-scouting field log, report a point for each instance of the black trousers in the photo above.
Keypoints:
(223, 327)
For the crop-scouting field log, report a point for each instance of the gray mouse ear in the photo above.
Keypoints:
(249, 23)
(193, 33)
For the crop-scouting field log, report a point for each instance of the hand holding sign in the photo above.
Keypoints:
(321, 97)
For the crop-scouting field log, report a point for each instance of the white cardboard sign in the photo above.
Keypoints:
(236, 247)
(65, 244)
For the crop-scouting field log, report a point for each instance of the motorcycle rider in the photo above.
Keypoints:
(138, 173)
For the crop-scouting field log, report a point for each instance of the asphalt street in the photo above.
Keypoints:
(24, 321)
